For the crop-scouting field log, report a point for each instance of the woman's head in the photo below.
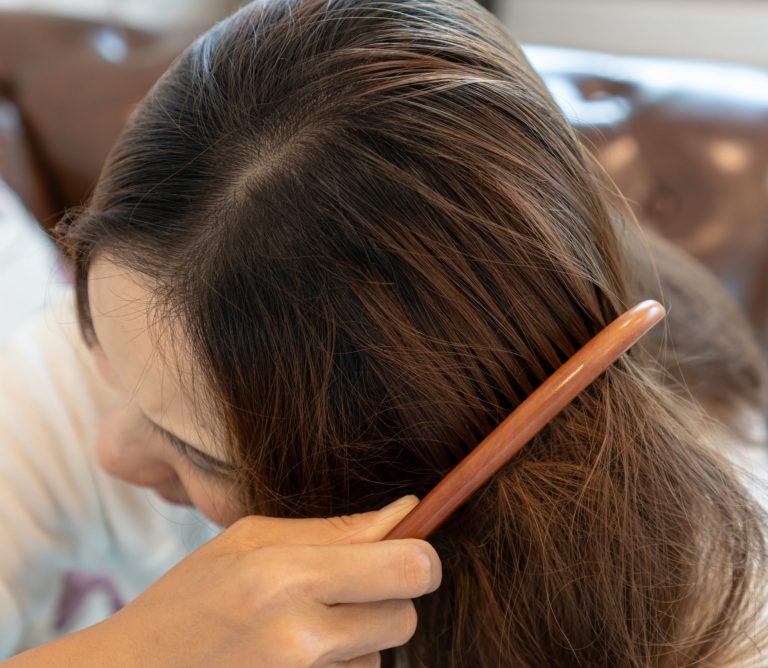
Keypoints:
(316, 199)
(350, 237)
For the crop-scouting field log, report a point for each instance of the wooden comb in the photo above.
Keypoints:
(520, 426)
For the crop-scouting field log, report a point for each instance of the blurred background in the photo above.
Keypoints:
(670, 95)
(140, 13)
(730, 30)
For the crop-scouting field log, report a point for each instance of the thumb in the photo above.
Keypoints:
(371, 526)
(256, 531)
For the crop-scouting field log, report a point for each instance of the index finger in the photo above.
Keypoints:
(368, 572)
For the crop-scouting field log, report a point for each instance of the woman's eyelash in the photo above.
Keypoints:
(182, 448)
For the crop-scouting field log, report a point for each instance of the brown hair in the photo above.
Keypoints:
(381, 235)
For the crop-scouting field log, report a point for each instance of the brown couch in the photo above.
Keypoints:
(687, 142)
(66, 88)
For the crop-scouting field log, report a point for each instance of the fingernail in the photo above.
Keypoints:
(406, 500)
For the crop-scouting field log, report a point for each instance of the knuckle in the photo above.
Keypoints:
(311, 646)
(302, 645)
(417, 568)
(243, 525)
(242, 533)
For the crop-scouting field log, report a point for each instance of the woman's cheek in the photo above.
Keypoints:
(215, 500)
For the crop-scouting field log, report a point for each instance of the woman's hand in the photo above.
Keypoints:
(274, 593)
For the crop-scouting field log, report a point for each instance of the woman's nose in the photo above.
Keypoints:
(131, 456)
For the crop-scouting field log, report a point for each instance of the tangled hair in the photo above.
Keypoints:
(380, 236)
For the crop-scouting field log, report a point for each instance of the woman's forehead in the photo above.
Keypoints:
(150, 361)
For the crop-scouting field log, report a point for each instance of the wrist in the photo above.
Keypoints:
(105, 643)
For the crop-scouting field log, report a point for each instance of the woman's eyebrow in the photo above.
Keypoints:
(213, 461)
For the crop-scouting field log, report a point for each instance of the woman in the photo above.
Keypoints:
(334, 247)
